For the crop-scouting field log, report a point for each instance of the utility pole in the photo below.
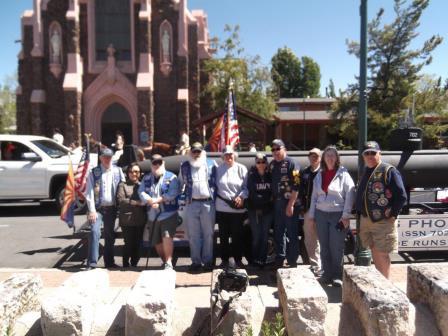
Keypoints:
(362, 254)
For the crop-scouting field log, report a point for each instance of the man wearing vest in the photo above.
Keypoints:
(285, 190)
(102, 184)
(159, 190)
(379, 199)
(197, 181)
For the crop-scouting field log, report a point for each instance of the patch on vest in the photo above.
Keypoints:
(373, 197)
(378, 187)
(382, 201)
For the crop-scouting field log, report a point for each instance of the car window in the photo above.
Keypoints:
(51, 148)
(12, 151)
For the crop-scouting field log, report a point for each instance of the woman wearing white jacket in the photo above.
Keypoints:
(331, 205)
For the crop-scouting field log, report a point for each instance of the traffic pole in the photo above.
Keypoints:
(362, 254)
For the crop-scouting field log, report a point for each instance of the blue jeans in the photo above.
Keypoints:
(108, 214)
(200, 226)
(286, 230)
(260, 222)
(331, 242)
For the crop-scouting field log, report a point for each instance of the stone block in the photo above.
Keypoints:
(18, 294)
(150, 305)
(303, 301)
(382, 308)
(428, 284)
(240, 315)
(109, 320)
(70, 309)
(28, 325)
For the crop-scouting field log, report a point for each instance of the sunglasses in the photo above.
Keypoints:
(135, 171)
(369, 153)
(260, 162)
(196, 152)
(156, 162)
(276, 149)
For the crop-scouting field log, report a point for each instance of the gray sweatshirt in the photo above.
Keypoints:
(231, 182)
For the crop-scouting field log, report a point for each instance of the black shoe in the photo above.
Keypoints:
(112, 266)
(89, 268)
(337, 283)
(125, 265)
(239, 264)
(324, 280)
(224, 264)
(208, 267)
(194, 268)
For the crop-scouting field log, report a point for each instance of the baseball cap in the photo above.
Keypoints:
(371, 146)
(261, 156)
(107, 152)
(315, 151)
(278, 143)
(196, 146)
(156, 157)
(228, 150)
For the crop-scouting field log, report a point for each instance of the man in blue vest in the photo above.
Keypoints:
(159, 190)
(379, 199)
(197, 181)
(102, 184)
(285, 190)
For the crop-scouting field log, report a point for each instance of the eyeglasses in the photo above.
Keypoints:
(276, 149)
(261, 162)
(156, 162)
(369, 153)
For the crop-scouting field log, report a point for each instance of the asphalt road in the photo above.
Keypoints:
(33, 236)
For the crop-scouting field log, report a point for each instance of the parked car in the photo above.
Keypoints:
(35, 168)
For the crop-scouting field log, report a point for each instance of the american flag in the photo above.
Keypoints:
(226, 130)
(67, 211)
(82, 172)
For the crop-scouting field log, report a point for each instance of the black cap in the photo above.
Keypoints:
(371, 146)
(278, 143)
(107, 152)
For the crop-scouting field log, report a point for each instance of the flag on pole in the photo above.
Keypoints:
(67, 211)
(82, 172)
(226, 130)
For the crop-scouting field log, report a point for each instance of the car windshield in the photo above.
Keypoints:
(51, 148)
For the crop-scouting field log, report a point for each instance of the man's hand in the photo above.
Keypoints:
(345, 221)
(155, 205)
(289, 210)
(92, 217)
(150, 201)
(388, 214)
(238, 202)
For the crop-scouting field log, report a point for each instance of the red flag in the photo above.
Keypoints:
(82, 172)
(215, 138)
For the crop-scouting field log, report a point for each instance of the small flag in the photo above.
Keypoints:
(215, 138)
(67, 211)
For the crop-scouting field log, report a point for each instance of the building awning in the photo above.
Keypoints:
(299, 116)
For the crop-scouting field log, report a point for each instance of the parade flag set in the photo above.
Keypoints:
(82, 171)
(226, 130)
(67, 211)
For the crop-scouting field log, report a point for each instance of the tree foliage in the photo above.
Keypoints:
(393, 68)
(294, 77)
(331, 91)
(8, 104)
(252, 81)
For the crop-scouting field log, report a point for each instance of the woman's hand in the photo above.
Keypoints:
(238, 202)
(346, 222)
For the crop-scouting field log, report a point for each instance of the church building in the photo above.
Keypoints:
(102, 66)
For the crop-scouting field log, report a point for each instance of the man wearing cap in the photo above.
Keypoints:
(102, 185)
(159, 190)
(379, 199)
(197, 182)
(285, 189)
(306, 190)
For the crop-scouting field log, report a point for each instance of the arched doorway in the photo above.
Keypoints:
(115, 118)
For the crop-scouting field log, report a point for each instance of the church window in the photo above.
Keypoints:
(113, 26)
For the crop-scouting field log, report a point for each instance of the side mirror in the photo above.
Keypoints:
(30, 156)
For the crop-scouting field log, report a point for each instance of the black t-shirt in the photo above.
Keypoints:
(260, 194)
(285, 177)
(306, 186)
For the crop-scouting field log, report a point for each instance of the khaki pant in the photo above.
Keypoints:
(311, 242)
(382, 235)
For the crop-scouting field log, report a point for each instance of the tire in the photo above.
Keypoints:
(80, 205)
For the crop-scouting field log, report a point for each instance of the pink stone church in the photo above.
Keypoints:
(101, 66)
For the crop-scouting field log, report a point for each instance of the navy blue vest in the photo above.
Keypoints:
(378, 196)
(185, 170)
(167, 206)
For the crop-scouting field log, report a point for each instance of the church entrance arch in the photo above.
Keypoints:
(115, 119)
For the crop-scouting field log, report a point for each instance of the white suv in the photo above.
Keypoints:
(34, 168)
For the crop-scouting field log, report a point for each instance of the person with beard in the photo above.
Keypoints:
(231, 191)
(197, 182)
(159, 190)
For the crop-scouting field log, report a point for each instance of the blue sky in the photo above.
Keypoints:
(315, 28)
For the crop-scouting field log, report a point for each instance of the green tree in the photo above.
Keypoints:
(310, 77)
(8, 104)
(331, 91)
(252, 81)
(294, 77)
(393, 66)
(286, 73)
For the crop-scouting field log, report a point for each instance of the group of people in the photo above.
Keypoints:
(269, 194)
